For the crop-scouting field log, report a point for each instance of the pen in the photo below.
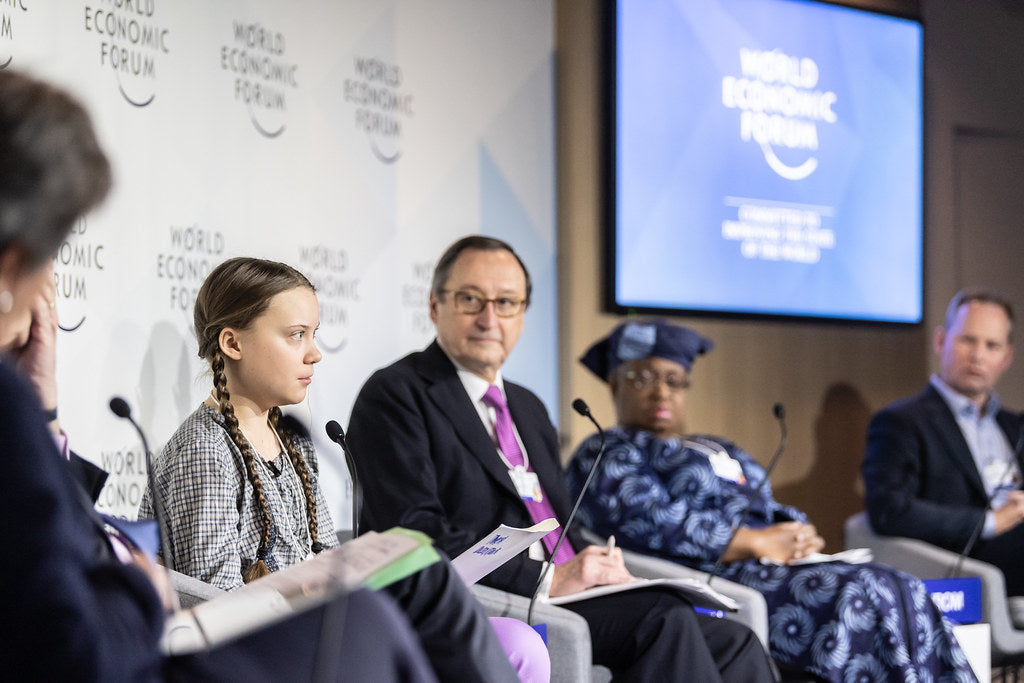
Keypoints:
(710, 612)
(611, 545)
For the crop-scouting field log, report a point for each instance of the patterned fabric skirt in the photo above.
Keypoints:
(854, 623)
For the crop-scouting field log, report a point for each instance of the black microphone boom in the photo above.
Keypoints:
(580, 406)
(779, 411)
(336, 434)
(120, 407)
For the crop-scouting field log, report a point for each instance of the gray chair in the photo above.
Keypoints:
(927, 561)
(191, 591)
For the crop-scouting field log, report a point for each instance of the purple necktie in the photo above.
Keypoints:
(539, 511)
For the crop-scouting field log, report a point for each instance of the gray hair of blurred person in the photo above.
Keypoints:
(980, 295)
(443, 269)
(52, 170)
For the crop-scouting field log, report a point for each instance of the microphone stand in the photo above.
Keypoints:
(779, 411)
(120, 408)
(336, 434)
(580, 406)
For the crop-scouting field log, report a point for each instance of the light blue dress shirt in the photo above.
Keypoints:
(993, 455)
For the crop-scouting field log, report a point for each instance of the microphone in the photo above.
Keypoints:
(580, 406)
(779, 411)
(119, 407)
(336, 434)
(954, 571)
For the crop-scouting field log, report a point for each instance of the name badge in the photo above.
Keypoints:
(727, 468)
(527, 484)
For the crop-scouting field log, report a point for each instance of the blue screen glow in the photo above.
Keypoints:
(768, 159)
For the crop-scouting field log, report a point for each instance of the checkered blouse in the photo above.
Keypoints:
(213, 519)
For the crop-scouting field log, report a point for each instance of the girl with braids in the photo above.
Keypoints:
(241, 492)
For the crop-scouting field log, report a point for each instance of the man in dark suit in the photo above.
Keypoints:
(945, 466)
(435, 456)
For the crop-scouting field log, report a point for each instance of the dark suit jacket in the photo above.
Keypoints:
(89, 476)
(70, 610)
(426, 461)
(919, 477)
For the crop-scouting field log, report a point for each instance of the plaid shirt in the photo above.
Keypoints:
(211, 508)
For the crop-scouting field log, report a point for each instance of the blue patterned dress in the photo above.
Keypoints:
(842, 622)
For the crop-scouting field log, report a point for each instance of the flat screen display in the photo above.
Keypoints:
(765, 159)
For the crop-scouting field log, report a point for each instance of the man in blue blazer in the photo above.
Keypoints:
(945, 466)
(431, 454)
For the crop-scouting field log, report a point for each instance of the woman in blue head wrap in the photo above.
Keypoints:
(679, 496)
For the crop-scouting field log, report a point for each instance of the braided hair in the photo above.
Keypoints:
(234, 294)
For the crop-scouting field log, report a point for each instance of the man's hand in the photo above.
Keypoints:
(593, 566)
(783, 542)
(1011, 513)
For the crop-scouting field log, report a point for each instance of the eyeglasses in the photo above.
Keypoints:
(472, 303)
(645, 379)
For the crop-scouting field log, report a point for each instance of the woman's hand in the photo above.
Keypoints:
(783, 542)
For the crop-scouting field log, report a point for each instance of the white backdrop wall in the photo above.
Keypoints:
(353, 139)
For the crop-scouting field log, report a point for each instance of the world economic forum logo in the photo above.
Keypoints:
(262, 77)
(780, 108)
(8, 9)
(130, 41)
(381, 105)
(182, 264)
(79, 260)
(337, 290)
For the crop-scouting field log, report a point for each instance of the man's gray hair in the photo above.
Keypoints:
(443, 269)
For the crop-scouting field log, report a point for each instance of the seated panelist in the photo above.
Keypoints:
(666, 492)
(452, 448)
(945, 466)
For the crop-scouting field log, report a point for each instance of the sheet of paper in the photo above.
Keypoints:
(293, 589)
(695, 590)
(497, 548)
(851, 556)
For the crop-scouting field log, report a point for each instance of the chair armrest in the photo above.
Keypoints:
(913, 556)
(191, 591)
(568, 632)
